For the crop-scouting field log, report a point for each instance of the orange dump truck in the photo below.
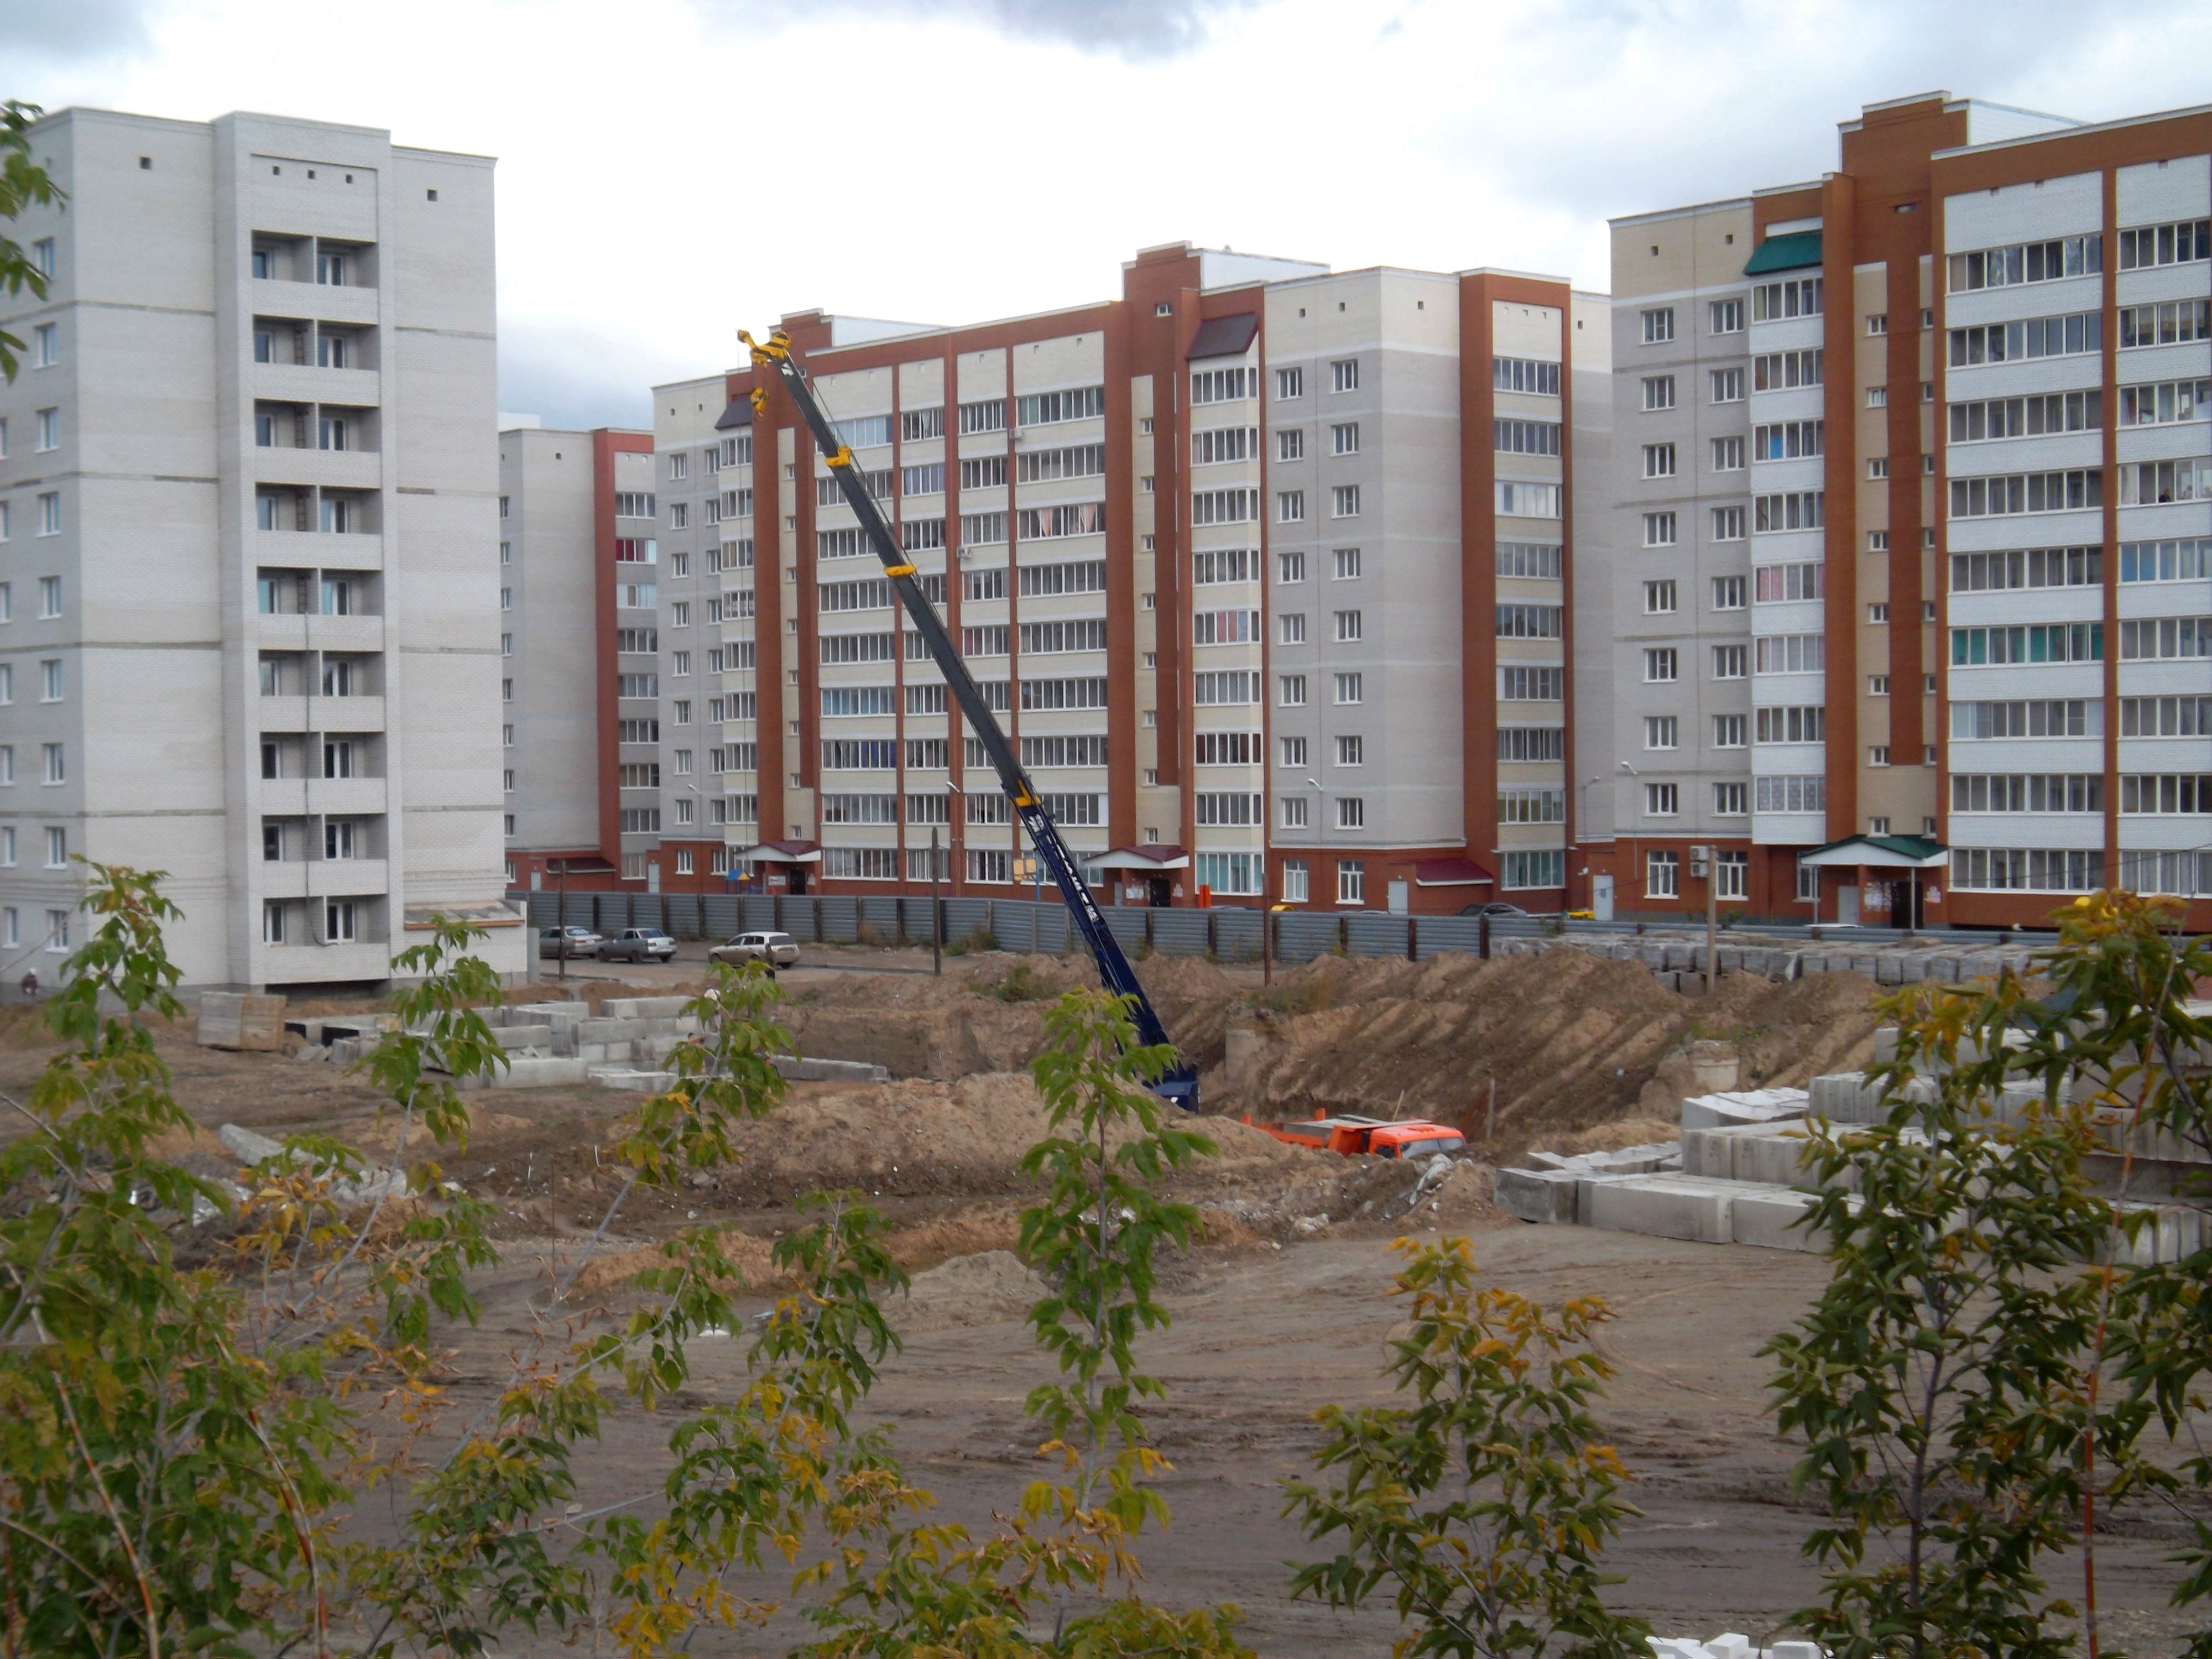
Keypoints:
(1380, 1136)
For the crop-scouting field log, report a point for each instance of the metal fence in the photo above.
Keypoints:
(1226, 933)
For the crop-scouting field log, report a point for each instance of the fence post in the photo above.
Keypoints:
(1413, 933)
(1482, 937)
(1213, 934)
(1148, 927)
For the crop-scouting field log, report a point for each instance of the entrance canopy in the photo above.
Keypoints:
(1449, 872)
(779, 852)
(1139, 859)
(1882, 853)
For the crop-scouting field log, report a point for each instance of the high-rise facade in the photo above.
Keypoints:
(248, 594)
(1911, 491)
(1267, 570)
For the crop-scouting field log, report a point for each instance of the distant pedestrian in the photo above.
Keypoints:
(29, 985)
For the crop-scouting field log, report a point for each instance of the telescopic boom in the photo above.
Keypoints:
(1180, 1084)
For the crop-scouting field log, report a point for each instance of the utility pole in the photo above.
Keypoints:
(936, 911)
(561, 922)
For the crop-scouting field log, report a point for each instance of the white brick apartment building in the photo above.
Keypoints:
(249, 619)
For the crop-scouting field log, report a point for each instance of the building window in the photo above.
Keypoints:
(56, 848)
(1658, 391)
(1290, 566)
(1348, 687)
(1659, 598)
(1659, 530)
(1344, 376)
(46, 346)
(1728, 731)
(1731, 662)
(1351, 813)
(1293, 691)
(1294, 881)
(1290, 506)
(1289, 383)
(1659, 325)
(1661, 665)
(1344, 563)
(1662, 730)
(50, 514)
(1344, 440)
(1726, 316)
(1728, 593)
(1662, 800)
(1293, 813)
(1809, 883)
(1351, 750)
(1658, 460)
(1731, 800)
(53, 767)
(1351, 881)
(1343, 501)
(1878, 754)
(57, 931)
(1348, 625)
(1663, 875)
(1290, 444)
(1732, 872)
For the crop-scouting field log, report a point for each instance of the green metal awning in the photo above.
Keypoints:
(1794, 251)
(1881, 852)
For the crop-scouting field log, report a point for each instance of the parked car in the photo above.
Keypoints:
(578, 942)
(777, 949)
(1495, 907)
(638, 945)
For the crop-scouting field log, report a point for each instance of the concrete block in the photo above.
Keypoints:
(537, 1072)
(1712, 1111)
(1540, 1195)
(524, 1037)
(645, 1008)
(1768, 1218)
(2171, 1232)
(632, 1080)
(1661, 1206)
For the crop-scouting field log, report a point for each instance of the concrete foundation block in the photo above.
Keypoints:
(524, 1037)
(1716, 1111)
(1540, 1195)
(236, 1019)
(631, 1080)
(536, 1071)
(1771, 1218)
(2168, 1233)
(645, 1008)
(1661, 1206)
(806, 1069)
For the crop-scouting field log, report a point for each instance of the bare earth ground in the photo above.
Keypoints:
(1272, 1318)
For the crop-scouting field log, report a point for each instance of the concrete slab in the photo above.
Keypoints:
(631, 1080)
(1768, 1218)
(1540, 1195)
(534, 1071)
(1743, 1106)
(807, 1069)
(1661, 1206)
(524, 1037)
(645, 1008)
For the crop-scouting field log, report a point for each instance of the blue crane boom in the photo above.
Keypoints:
(1180, 1084)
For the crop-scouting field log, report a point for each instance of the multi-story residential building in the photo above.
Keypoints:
(561, 579)
(251, 445)
(1913, 484)
(1195, 543)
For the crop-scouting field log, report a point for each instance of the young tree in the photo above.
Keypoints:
(22, 181)
(1486, 1505)
(1943, 1383)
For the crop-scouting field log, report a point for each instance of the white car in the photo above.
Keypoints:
(777, 949)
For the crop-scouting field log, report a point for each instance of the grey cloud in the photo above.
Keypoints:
(572, 378)
(70, 30)
(1136, 30)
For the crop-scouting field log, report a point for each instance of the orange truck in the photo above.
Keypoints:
(1383, 1136)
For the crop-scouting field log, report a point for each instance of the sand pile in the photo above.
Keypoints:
(968, 1290)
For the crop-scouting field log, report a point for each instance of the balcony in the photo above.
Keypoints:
(304, 383)
(322, 964)
(315, 547)
(326, 302)
(345, 798)
(319, 714)
(298, 879)
(295, 630)
(333, 469)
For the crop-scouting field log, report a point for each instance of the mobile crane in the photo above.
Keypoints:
(1179, 1085)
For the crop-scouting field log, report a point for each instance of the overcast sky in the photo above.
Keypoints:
(671, 170)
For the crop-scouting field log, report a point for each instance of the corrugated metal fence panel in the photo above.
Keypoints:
(965, 917)
(649, 910)
(913, 920)
(1300, 937)
(1179, 932)
(841, 919)
(879, 918)
(544, 909)
(1055, 929)
(757, 912)
(1013, 924)
(795, 916)
(1434, 935)
(1127, 924)
(724, 916)
(1371, 934)
(580, 907)
(1236, 934)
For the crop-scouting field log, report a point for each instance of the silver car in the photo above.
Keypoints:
(777, 949)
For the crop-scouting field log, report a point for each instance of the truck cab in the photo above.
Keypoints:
(1383, 1136)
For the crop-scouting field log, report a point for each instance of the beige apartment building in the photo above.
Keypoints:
(249, 594)
(1913, 494)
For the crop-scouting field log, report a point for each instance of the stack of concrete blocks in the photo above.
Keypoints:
(1731, 1646)
(1680, 960)
(235, 1019)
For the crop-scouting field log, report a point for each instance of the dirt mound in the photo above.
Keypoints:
(1613, 1137)
(987, 1013)
(968, 1290)
(969, 1233)
(963, 1139)
(757, 1274)
(1568, 1039)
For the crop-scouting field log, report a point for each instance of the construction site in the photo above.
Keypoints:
(1643, 1126)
